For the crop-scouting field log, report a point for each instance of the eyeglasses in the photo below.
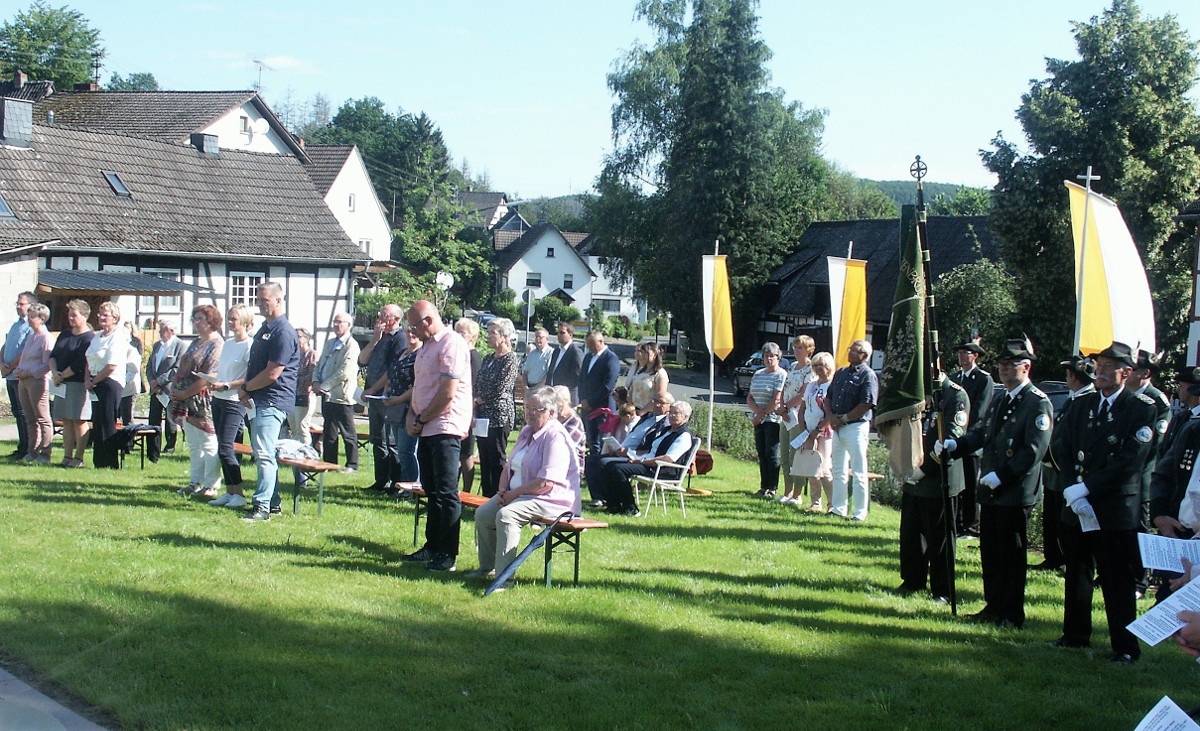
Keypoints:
(535, 410)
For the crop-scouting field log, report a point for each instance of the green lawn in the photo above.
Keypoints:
(166, 613)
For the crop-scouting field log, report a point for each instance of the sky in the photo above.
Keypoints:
(518, 88)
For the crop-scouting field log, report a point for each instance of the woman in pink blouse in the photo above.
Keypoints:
(540, 479)
(31, 372)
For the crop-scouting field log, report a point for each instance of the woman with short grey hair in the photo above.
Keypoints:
(766, 393)
(32, 371)
(494, 402)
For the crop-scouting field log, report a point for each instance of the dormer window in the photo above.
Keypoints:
(114, 181)
(6, 211)
(549, 252)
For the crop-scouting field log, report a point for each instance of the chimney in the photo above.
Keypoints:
(87, 86)
(19, 80)
(206, 144)
(16, 122)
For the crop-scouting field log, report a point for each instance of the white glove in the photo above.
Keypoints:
(917, 475)
(947, 446)
(991, 480)
(1075, 492)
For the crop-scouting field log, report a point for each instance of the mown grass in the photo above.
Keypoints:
(166, 613)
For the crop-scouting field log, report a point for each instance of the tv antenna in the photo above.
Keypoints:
(261, 65)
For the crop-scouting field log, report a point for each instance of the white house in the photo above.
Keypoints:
(340, 175)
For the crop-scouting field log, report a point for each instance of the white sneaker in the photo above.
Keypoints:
(236, 501)
(224, 499)
(783, 499)
(41, 459)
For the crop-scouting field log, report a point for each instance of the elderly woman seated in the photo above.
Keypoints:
(669, 445)
(540, 479)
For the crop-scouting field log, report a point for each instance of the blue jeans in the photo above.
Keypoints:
(401, 450)
(264, 435)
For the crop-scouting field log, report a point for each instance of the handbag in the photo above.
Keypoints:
(807, 463)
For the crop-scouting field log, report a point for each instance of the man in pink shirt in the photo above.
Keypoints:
(441, 417)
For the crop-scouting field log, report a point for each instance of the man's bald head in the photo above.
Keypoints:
(424, 319)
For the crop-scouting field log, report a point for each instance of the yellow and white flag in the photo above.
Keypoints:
(718, 317)
(847, 304)
(1115, 303)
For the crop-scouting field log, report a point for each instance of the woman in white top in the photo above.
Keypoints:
(106, 358)
(647, 377)
(819, 433)
(228, 413)
(793, 392)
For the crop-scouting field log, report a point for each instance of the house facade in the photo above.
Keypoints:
(340, 176)
(215, 221)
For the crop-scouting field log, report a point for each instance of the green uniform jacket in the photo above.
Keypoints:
(1013, 443)
(1108, 456)
(954, 406)
(1052, 480)
(1162, 420)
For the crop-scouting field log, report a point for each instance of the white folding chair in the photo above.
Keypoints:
(662, 485)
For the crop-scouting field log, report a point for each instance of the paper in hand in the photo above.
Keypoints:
(1167, 554)
(800, 440)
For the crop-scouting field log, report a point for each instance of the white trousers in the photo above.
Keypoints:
(202, 451)
(850, 449)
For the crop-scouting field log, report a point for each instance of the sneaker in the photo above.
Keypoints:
(221, 501)
(257, 513)
(480, 573)
(442, 562)
(503, 587)
(348, 470)
(41, 459)
(423, 555)
(236, 501)
(276, 510)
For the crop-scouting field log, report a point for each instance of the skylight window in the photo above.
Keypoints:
(118, 186)
(5, 210)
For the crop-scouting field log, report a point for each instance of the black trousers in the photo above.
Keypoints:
(105, 452)
(493, 451)
(617, 483)
(339, 420)
(766, 441)
(438, 457)
(1003, 542)
(383, 456)
(14, 399)
(1052, 506)
(228, 418)
(968, 501)
(924, 550)
(1114, 555)
(154, 444)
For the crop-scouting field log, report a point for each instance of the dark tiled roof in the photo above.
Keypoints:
(481, 207)
(240, 204)
(575, 238)
(31, 90)
(953, 240)
(513, 252)
(163, 115)
(501, 240)
(1191, 211)
(326, 162)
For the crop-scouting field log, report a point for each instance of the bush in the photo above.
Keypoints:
(732, 431)
(550, 310)
(504, 304)
(616, 328)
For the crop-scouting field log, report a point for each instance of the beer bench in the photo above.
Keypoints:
(564, 539)
(308, 467)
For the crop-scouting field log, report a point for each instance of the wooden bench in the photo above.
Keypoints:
(139, 438)
(565, 538)
(307, 467)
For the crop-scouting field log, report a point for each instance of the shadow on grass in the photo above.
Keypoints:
(179, 658)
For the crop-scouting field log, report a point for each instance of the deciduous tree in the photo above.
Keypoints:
(50, 44)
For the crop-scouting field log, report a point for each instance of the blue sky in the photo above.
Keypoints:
(518, 87)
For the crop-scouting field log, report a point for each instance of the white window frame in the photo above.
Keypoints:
(167, 303)
(246, 126)
(246, 291)
(350, 203)
(568, 281)
(533, 279)
(608, 305)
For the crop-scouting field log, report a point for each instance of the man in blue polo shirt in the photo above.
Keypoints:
(271, 386)
(852, 397)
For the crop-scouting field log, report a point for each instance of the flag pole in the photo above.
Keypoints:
(933, 369)
(1087, 179)
(712, 371)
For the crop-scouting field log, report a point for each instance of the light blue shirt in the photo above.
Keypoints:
(16, 341)
(635, 436)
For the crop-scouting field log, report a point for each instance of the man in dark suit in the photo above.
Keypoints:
(1081, 374)
(1014, 437)
(1187, 390)
(1144, 369)
(160, 367)
(1172, 510)
(670, 445)
(1108, 439)
(564, 366)
(979, 387)
(924, 550)
(597, 379)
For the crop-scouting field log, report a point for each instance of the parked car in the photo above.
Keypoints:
(1056, 391)
(743, 373)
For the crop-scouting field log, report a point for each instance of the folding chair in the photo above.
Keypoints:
(662, 485)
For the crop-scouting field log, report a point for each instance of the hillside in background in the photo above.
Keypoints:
(904, 192)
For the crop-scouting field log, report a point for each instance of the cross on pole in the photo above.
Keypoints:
(1087, 179)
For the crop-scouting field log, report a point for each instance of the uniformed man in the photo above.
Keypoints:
(1081, 375)
(1108, 437)
(979, 387)
(1147, 366)
(924, 550)
(1189, 398)
(1014, 436)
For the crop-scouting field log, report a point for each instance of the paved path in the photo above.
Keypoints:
(24, 709)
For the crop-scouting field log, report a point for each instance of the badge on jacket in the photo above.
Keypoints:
(1042, 422)
(1143, 435)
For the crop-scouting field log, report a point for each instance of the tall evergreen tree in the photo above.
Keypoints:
(1122, 108)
